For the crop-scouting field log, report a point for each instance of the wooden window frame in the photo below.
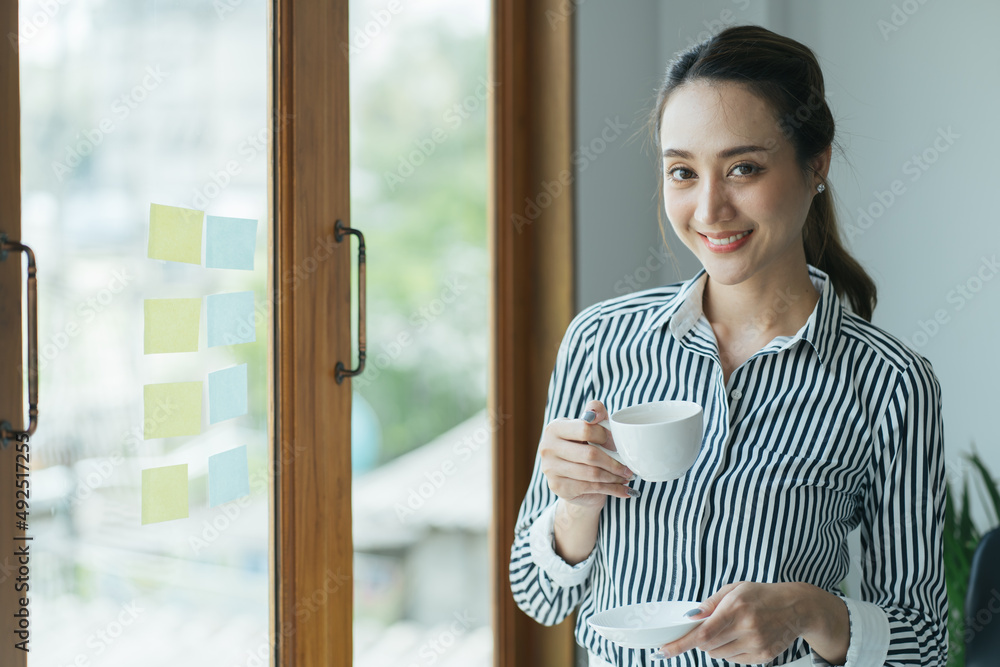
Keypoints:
(313, 564)
(532, 275)
(11, 405)
(530, 144)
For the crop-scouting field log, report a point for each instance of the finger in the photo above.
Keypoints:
(580, 431)
(707, 631)
(586, 473)
(574, 488)
(729, 651)
(712, 603)
(577, 452)
(740, 657)
(729, 637)
(704, 633)
(595, 412)
(563, 445)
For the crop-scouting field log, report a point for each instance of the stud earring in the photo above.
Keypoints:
(820, 188)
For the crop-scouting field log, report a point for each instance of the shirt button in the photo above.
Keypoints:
(736, 394)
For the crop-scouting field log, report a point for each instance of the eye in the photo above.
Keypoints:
(745, 170)
(680, 174)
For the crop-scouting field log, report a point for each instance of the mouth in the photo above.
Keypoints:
(726, 243)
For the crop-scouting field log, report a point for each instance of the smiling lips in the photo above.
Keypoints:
(726, 243)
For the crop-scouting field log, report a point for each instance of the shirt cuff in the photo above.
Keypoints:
(869, 643)
(541, 540)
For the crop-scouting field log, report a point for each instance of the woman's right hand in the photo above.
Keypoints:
(578, 473)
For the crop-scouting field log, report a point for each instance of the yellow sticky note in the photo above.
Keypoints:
(171, 325)
(175, 233)
(171, 409)
(164, 493)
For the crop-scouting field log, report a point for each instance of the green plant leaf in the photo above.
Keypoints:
(961, 538)
(989, 484)
(949, 510)
(965, 527)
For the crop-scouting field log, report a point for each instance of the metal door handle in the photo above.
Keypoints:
(7, 431)
(340, 230)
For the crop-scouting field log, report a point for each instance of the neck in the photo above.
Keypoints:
(771, 303)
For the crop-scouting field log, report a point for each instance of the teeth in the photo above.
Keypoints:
(731, 239)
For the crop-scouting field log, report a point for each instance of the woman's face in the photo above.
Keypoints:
(729, 171)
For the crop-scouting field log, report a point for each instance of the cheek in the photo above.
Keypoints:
(678, 210)
(775, 211)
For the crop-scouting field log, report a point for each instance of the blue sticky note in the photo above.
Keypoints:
(227, 394)
(230, 243)
(231, 319)
(228, 478)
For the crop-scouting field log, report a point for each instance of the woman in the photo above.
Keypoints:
(816, 421)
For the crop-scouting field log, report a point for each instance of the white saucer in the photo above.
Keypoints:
(646, 624)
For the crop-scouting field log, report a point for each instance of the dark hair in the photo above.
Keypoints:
(785, 74)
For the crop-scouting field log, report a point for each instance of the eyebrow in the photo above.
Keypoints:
(728, 152)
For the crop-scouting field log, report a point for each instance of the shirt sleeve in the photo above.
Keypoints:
(543, 585)
(901, 620)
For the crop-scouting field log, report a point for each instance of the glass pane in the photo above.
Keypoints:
(126, 103)
(421, 434)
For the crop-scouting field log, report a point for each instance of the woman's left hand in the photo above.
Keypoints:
(747, 622)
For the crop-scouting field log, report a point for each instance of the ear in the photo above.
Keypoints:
(820, 164)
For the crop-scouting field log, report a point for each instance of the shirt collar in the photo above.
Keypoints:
(683, 310)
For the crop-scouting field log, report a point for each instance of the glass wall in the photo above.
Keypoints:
(128, 103)
(421, 434)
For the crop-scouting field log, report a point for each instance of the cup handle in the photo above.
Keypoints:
(613, 454)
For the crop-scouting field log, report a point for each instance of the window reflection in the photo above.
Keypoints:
(123, 104)
(421, 434)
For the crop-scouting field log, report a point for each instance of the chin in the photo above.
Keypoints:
(725, 272)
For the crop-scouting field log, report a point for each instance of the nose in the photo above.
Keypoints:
(713, 203)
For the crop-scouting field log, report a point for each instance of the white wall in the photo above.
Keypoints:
(893, 94)
(894, 97)
(617, 60)
(622, 51)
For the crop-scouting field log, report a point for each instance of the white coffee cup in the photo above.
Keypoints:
(657, 441)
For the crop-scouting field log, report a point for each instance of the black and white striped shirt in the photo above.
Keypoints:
(835, 428)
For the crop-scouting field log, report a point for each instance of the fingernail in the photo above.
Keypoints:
(694, 612)
(634, 493)
(589, 415)
(659, 655)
